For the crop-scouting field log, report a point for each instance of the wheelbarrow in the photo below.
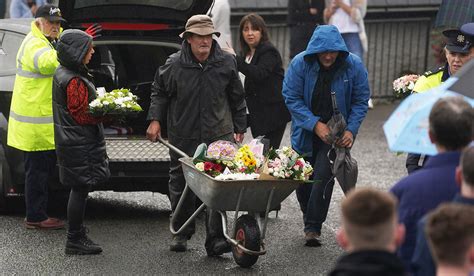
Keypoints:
(251, 196)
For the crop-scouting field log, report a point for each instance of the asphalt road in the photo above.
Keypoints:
(133, 228)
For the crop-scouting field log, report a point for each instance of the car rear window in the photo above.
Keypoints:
(180, 5)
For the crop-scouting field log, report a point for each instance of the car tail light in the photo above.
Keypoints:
(130, 26)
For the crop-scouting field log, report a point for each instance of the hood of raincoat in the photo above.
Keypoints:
(326, 38)
(72, 48)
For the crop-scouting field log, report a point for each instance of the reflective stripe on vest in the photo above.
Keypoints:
(28, 74)
(31, 120)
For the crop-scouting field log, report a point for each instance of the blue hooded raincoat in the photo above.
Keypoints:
(350, 84)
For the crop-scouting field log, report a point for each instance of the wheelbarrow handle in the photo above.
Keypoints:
(171, 147)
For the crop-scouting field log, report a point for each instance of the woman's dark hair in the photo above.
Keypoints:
(257, 23)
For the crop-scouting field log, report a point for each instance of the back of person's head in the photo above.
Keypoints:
(370, 221)
(257, 23)
(451, 123)
(450, 233)
(467, 166)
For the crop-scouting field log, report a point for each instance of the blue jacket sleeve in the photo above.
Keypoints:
(360, 97)
(422, 261)
(293, 92)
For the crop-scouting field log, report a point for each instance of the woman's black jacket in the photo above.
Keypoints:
(263, 84)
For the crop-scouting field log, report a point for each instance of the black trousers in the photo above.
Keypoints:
(39, 167)
(76, 207)
(176, 186)
(275, 136)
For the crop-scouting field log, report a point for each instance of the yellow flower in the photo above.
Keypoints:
(253, 162)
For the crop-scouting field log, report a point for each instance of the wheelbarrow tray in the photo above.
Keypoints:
(223, 195)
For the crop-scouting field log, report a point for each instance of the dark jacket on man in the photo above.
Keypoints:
(203, 102)
(369, 263)
(200, 101)
(422, 261)
(298, 12)
(80, 149)
(302, 23)
(421, 192)
(263, 84)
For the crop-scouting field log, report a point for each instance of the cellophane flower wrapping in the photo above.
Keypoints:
(118, 102)
(224, 160)
(403, 86)
(286, 163)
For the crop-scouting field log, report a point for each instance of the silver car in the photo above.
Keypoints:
(137, 37)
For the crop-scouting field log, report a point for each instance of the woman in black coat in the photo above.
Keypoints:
(261, 64)
(79, 137)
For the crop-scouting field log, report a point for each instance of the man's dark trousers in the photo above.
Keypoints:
(39, 167)
(314, 199)
(176, 186)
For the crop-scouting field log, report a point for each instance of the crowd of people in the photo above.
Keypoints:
(410, 229)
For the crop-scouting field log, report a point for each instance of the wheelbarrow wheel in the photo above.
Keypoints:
(247, 233)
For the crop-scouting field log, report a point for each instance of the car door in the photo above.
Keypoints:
(9, 44)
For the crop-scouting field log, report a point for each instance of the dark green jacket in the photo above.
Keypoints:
(199, 102)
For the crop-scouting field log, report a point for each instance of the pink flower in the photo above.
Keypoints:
(299, 163)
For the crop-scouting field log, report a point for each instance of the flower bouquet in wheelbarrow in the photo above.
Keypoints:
(226, 177)
(117, 104)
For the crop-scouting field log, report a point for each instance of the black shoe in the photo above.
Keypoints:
(179, 244)
(218, 248)
(312, 239)
(79, 244)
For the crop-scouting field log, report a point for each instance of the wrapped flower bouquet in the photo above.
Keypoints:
(118, 102)
(288, 164)
(226, 161)
(403, 86)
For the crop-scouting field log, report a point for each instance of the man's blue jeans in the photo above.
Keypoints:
(314, 199)
(353, 43)
(39, 167)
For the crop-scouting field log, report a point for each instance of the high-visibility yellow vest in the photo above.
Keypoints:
(430, 80)
(30, 124)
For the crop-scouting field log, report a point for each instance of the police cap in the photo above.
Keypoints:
(468, 29)
(459, 41)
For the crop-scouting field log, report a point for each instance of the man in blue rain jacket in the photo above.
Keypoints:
(325, 66)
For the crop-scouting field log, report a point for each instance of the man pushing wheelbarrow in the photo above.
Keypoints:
(199, 94)
(226, 177)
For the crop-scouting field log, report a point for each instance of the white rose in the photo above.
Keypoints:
(118, 101)
(200, 166)
(94, 103)
(101, 91)
(105, 103)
